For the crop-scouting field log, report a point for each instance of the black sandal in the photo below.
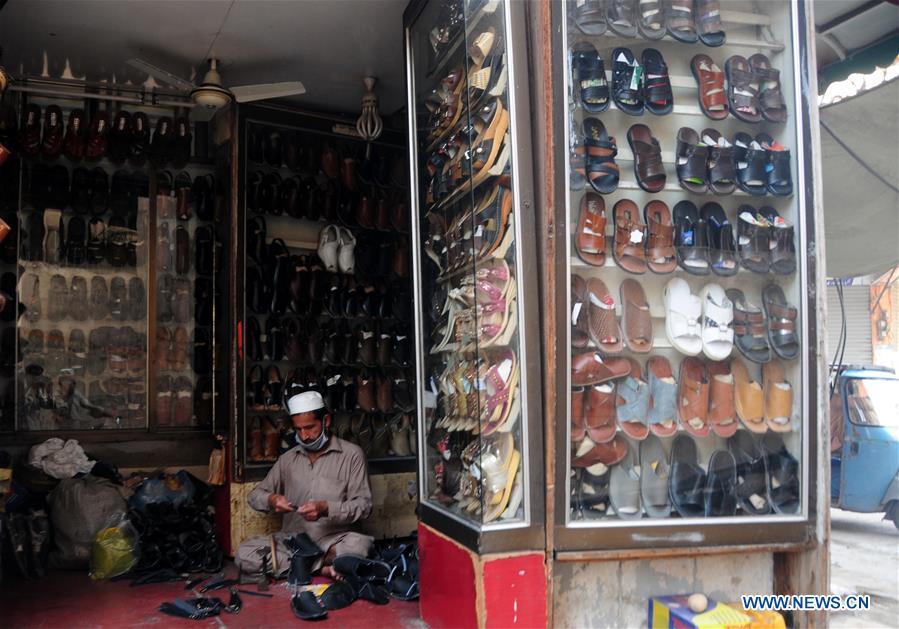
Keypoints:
(742, 89)
(752, 473)
(626, 82)
(589, 75)
(602, 171)
(771, 100)
(686, 480)
(783, 474)
(752, 240)
(692, 161)
(750, 329)
(781, 322)
(621, 18)
(590, 17)
(708, 23)
(691, 239)
(722, 250)
(752, 165)
(781, 242)
(722, 170)
(680, 22)
(658, 98)
(779, 180)
(651, 19)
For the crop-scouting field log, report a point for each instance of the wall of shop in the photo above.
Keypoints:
(615, 593)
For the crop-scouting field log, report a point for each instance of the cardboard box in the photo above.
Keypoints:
(673, 612)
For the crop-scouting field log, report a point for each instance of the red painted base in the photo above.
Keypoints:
(462, 589)
(72, 599)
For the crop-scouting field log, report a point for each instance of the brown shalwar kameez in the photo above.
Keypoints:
(339, 477)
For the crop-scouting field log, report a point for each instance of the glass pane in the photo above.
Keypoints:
(468, 279)
(684, 292)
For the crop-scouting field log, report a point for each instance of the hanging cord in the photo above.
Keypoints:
(836, 365)
(854, 156)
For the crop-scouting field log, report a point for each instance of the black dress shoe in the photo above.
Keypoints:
(203, 301)
(254, 343)
(159, 151)
(274, 339)
(362, 568)
(204, 250)
(76, 241)
(139, 139)
(306, 607)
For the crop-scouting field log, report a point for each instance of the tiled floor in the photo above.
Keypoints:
(72, 600)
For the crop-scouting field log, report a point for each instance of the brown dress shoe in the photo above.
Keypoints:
(257, 451)
(97, 137)
(271, 438)
(385, 394)
(330, 162)
(74, 144)
(30, 137)
(365, 392)
(51, 145)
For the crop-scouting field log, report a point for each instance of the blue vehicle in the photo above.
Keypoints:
(864, 427)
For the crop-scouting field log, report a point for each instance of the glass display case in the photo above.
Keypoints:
(324, 262)
(108, 272)
(474, 283)
(688, 356)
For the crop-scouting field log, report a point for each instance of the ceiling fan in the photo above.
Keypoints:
(211, 94)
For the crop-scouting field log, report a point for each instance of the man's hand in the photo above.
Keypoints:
(313, 510)
(280, 504)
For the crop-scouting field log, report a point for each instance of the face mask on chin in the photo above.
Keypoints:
(316, 444)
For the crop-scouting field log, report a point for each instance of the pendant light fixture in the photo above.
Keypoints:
(369, 126)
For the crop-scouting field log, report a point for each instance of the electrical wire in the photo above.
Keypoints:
(855, 156)
(837, 364)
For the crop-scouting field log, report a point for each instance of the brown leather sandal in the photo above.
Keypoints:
(602, 325)
(590, 368)
(710, 81)
(742, 89)
(606, 453)
(578, 429)
(648, 166)
(771, 100)
(630, 235)
(635, 317)
(661, 255)
(579, 312)
(590, 239)
(722, 412)
(693, 397)
(599, 413)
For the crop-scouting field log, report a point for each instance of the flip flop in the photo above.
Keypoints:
(632, 404)
(654, 478)
(686, 479)
(778, 397)
(624, 488)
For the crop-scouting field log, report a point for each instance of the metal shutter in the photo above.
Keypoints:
(859, 350)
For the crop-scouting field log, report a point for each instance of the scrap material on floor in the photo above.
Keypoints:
(72, 600)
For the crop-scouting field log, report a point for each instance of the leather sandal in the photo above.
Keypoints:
(749, 399)
(661, 255)
(590, 17)
(781, 241)
(680, 22)
(780, 179)
(590, 241)
(708, 23)
(750, 330)
(602, 324)
(662, 415)
(632, 403)
(601, 149)
(692, 161)
(589, 75)
(710, 82)
(693, 397)
(742, 89)
(752, 162)
(778, 397)
(627, 82)
(686, 480)
(753, 235)
(611, 453)
(651, 19)
(722, 171)
(579, 312)
(658, 98)
(722, 413)
(752, 474)
(771, 100)
(599, 412)
(636, 320)
(590, 368)
(691, 239)
(629, 248)
(722, 250)
(621, 18)
(781, 322)
(648, 167)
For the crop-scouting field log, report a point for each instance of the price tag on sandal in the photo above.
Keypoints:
(636, 236)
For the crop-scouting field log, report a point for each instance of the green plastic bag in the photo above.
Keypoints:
(115, 550)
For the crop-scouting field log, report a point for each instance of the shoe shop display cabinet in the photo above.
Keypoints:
(685, 305)
(474, 270)
(322, 262)
(112, 271)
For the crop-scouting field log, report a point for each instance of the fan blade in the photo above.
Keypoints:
(247, 93)
(163, 75)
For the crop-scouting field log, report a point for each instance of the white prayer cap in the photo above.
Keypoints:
(305, 402)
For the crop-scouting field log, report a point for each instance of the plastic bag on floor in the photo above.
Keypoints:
(115, 549)
(175, 489)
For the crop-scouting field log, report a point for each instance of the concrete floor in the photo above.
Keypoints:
(864, 559)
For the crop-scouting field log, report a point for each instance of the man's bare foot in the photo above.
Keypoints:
(331, 573)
